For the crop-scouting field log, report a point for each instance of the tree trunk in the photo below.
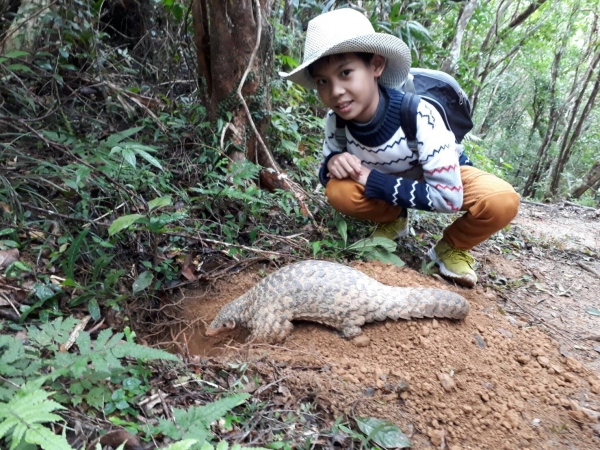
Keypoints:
(577, 119)
(591, 179)
(25, 28)
(225, 34)
(449, 64)
(288, 12)
(569, 142)
(234, 45)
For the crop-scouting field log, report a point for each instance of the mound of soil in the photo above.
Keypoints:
(491, 381)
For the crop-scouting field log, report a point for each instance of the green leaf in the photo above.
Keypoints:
(23, 416)
(382, 432)
(19, 68)
(385, 256)
(342, 228)
(73, 253)
(129, 157)
(123, 222)
(159, 202)
(16, 54)
(94, 309)
(369, 244)
(114, 139)
(21, 266)
(148, 157)
(142, 282)
(182, 445)
(594, 312)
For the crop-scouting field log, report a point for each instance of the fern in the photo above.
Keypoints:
(22, 418)
(195, 422)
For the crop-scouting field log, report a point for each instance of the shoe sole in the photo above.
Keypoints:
(445, 272)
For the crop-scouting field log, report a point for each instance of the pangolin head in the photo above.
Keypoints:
(226, 320)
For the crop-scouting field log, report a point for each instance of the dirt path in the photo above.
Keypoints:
(522, 373)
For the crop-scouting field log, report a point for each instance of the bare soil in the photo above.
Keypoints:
(521, 372)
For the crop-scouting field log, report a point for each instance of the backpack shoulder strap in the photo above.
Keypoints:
(340, 131)
(408, 118)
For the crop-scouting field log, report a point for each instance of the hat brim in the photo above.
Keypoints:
(395, 51)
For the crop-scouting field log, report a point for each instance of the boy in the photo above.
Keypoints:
(376, 176)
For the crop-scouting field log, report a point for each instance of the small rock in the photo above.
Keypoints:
(361, 341)
(504, 332)
(425, 331)
(536, 422)
(523, 358)
(437, 437)
(479, 341)
(402, 386)
(435, 324)
(544, 362)
(557, 369)
(537, 352)
(569, 377)
(574, 365)
(447, 382)
(369, 392)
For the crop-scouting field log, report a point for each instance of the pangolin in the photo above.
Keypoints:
(332, 294)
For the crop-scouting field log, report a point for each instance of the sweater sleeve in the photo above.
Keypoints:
(441, 188)
(331, 147)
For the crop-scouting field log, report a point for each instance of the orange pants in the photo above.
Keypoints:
(489, 204)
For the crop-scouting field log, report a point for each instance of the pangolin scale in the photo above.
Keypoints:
(332, 294)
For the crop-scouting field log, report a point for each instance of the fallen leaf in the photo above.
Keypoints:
(7, 257)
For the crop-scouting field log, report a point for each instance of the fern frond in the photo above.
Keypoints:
(24, 415)
(182, 445)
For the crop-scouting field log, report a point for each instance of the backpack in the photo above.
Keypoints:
(439, 89)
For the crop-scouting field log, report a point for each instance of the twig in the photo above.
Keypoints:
(62, 216)
(529, 202)
(262, 389)
(589, 268)
(108, 213)
(568, 203)
(74, 334)
(131, 96)
(297, 191)
(226, 244)
(11, 304)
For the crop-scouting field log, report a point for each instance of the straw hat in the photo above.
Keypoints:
(347, 30)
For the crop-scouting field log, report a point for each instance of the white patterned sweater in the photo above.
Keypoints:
(427, 179)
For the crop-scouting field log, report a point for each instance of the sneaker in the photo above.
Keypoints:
(393, 230)
(454, 264)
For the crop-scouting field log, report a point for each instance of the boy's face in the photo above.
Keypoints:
(348, 86)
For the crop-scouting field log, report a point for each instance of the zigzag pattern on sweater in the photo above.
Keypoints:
(448, 188)
(451, 206)
(389, 163)
(429, 200)
(435, 152)
(441, 169)
(428, 116)
(369, 150)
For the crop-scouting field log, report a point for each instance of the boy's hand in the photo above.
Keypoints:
(344, 165)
